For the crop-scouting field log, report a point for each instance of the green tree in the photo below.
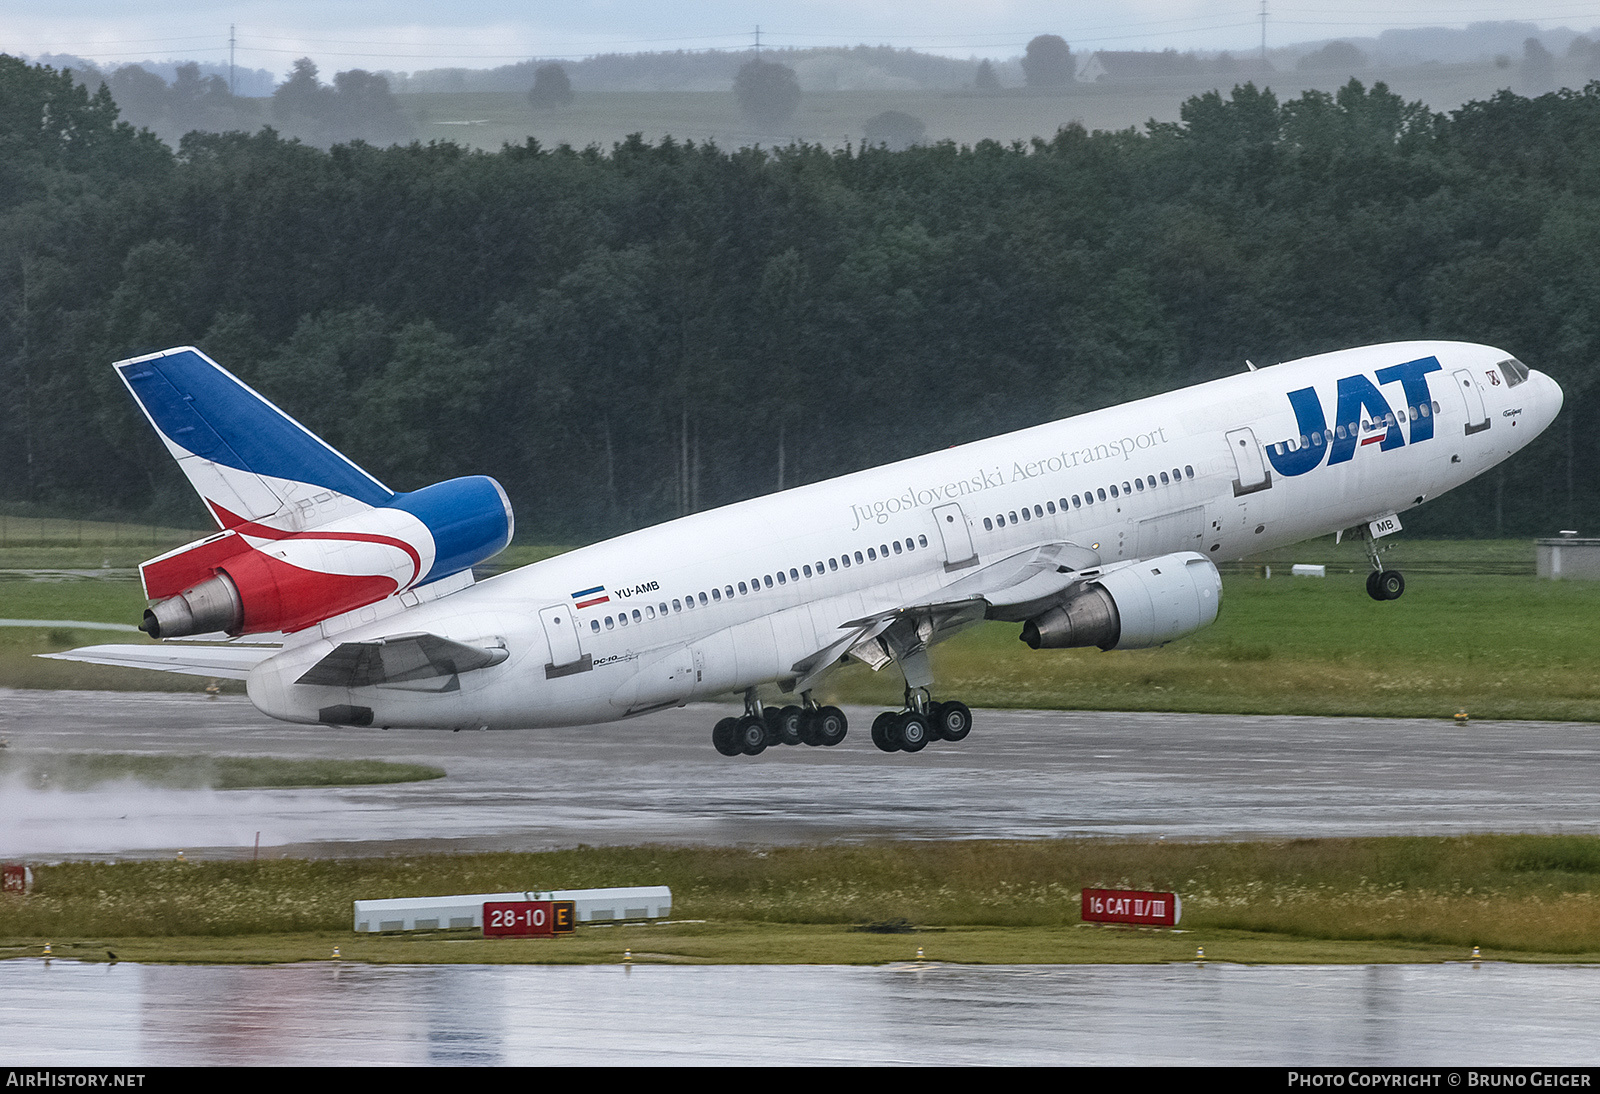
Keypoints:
(551, 87)
(1048, 62)
(768, 93)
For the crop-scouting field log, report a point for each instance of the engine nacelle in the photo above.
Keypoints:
(255, 578)
(1133, 607)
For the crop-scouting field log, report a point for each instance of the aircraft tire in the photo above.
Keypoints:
(912, 731)
(832, 726)
(935, 720)
(724, 735)
(1372, 585)
(788, 724)
(953, 721)
(752, 735)
(1391, 583)
(809, 733)
(882, 735)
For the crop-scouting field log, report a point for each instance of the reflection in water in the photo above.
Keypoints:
(327, 1013)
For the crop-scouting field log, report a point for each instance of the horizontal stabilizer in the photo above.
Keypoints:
(399, 659)
(223, 662)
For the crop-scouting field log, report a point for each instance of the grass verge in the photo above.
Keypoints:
(1530, 898)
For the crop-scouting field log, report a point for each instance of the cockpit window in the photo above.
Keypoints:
(1515, 371)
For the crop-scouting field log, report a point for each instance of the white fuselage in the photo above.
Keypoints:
(696, 607)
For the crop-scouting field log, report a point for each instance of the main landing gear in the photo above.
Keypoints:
(922, 721)
(762, 726)
(1383, 584)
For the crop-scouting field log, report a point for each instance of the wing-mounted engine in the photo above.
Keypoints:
(1132, 607)
(256, 578)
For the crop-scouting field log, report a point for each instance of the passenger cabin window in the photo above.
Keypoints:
(594, 625)
(782, 578)
(1050, 506)
(896, 546)
(845, 558)
(794, 575)
(716, 594)
(742, 589)
(610, 626)
(922, 541)
(702, 598)
(858, 556)
(833, 564)
(872, 554)
(636, 615)
(767, 581)
(1026, 515)
(988, 525)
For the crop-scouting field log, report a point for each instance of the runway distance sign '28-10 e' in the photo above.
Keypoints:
(1131, 906)
(528, 918)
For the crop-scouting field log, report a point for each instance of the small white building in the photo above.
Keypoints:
(1568, 557)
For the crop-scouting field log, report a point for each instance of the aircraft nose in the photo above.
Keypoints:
(1551, 399)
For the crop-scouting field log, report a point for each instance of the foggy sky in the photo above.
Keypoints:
(407, 35)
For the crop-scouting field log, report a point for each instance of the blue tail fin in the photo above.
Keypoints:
(247, 459)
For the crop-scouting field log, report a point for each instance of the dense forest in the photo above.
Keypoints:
(620, 336)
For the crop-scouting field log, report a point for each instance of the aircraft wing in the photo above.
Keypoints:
(223, 662)
(1012, 585)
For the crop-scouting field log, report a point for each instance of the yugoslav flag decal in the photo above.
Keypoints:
(588, 598)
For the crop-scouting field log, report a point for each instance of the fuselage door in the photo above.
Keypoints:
(1472, 392)
(561, 628)
(1248, 462)
(959, 553)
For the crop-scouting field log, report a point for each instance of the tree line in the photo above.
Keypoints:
(621, 336)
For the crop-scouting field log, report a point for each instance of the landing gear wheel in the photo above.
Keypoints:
(724, 736)
(883, 732)
(809, 733)
(934, 718)
(832, 725)
(912, 730)
(953, 721)
(751, 734)
(1385, 584)
(786, 725)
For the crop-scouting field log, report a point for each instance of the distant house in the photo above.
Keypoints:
(1117, 66)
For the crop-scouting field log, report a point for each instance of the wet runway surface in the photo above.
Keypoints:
(1021, 774)
(1450, 1015)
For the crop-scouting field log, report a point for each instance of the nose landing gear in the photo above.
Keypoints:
(1382, 584)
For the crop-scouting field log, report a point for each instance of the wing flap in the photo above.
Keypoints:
(399, 659)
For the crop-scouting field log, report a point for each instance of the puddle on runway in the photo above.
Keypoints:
(70, 1014)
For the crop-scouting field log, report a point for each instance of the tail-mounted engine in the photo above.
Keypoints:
(256, 578)
(1133, 607)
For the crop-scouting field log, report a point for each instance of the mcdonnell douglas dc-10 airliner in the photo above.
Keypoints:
(1099, 530)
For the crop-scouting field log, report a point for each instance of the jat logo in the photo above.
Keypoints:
(1361, 408)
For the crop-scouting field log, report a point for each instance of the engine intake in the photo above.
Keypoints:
(1133, 607)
